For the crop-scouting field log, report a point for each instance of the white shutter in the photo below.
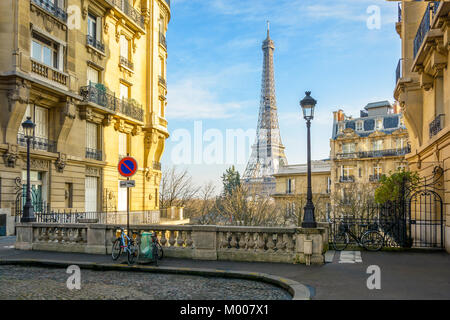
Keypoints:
(99, 28)
(122, 144)
(41, 121)
(27, 114)
(91, 194)
(124, 46)
(92, 75)
(122, 199)
(123, 91)
(91, 135)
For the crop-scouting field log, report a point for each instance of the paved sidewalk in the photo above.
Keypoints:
(404, 275)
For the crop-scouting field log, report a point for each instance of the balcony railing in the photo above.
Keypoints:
(425, 25)
(126, 63)
(51, 8)
(375, 177)
(90, 40)
(48, 72)
(168, 2)
(347, 179)
(130, 11)
(156, 165)
(375, 153)
(37, 143)
(99, 94)
(436, 125)
(162, 40)
(162, 81)
(131, 108)
(94, 154)
(399, 12)
(398, 71)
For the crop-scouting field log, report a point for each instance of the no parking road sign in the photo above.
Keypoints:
(127, 167)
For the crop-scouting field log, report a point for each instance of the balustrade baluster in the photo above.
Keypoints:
(180, 239)
(163, 240)
(270, 242)
(189, 241)
(280, 242)
(172, 238)
(260, 242)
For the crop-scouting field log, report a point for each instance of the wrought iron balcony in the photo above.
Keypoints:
(51, 8)
(425, 25)
(156, 165)
(162, 81)
(131, 108)
(126, 63)
(399, 12)
(162, 40)
(37, 143)
(375, 177)
(436, 125)
(126, 7)
(90, 40)
(168, 2)
(385, 152)
(99, 94)
(347, 179)
(94, 154)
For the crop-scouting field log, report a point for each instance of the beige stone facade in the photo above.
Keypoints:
(292, 182)
(423, 90)
(91, 74)
(365, 148)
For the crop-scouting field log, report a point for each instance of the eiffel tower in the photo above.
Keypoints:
(268, 151)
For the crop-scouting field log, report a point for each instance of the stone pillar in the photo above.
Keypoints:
(204, 242)
(24, 239)
(318, 236)
(96, 239)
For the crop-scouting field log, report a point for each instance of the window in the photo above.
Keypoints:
(91, 135)
(340, 127)
(91, 194)
(359, 125)
(162, 109)
(328, 185)
(68, 195)
(161, 67)
(377, 170)
(39, 116)
(46, 51)
(378, 124)
(289, 186)
(346, 171)
(93, 75)
(378, 145)
(400, 143)
(124, 92)
(92, 26)
(348, 147)
(124, 47)
(123, 144)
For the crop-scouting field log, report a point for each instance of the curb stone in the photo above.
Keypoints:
(297, 290)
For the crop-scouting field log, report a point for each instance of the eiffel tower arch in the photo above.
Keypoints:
(268, 151)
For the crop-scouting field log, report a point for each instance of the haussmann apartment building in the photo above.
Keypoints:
(423, 92)
(91, 75)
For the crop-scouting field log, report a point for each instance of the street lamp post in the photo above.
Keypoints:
(308, 104)
(28, 212)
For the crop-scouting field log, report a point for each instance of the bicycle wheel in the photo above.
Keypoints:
(133, 253)
(160, 251)
(340, 241)
(116, 249)
(372, 240)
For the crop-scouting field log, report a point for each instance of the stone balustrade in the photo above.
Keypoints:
(263, 244)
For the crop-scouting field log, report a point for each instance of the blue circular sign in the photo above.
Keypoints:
(127, 167)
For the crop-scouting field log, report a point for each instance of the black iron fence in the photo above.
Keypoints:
(425, 25)
(130, 11)
(436, 125)
(90, 40)
(127, 63)
(37, 143)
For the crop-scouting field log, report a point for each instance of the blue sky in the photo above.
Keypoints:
(214, 68)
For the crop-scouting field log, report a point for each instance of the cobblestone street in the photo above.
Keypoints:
(17, 282)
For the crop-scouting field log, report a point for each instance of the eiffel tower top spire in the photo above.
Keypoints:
(268, 151)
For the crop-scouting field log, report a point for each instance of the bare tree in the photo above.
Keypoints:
(355, 200)
(202, 208)
(291, 210)
(176, 188)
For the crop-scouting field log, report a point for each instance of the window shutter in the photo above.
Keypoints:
(91, 194)
(41, 121)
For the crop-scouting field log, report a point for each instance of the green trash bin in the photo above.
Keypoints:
(147, 245)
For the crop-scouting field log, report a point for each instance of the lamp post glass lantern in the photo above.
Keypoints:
(28, 212)
(308, 104)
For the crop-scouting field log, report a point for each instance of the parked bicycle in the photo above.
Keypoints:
(371, 239)
(124, 243)
(158, 246)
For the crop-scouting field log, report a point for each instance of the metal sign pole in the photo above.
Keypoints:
(128, 206)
